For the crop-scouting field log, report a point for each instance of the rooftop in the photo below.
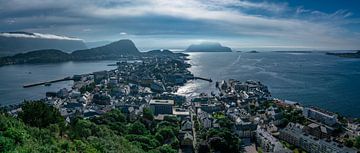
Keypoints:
(179, 111)
(161, 102)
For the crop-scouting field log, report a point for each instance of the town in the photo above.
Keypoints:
(241, 116)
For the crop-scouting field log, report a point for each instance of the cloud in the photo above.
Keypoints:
(37, 35)
(233, 21)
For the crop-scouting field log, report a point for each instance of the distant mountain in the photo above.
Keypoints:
(208, 47)
(347, 55)
(12, 43)
(111, 51)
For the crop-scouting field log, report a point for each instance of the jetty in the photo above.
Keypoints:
(47, 82)
(201, 78)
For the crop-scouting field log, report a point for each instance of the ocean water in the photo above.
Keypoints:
(309, 78)
(13, 77)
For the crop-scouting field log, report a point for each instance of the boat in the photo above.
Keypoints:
(47, 84)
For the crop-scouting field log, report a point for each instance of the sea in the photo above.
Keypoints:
(312, 79)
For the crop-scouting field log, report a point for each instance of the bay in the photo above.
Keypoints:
(317, 79)
(13, 77)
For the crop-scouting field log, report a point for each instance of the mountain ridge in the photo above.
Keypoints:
(112, 51)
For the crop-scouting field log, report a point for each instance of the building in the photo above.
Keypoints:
(320, 132)
(319, 115)
(101, 99)
(161, 106)
(181, 113)
(354, 128)
(99, 76)
(204, 119)
(276, 116)
(245, 128)
(157, 86)
(209, 108)
(268, 143)
(294, 134)
(62, 93)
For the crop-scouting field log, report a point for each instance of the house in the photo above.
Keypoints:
(186, 125)
(186, 138)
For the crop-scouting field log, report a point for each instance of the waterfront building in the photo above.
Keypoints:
(294, 134)
(161, 106)
(62, 93)
(320, 115)
(354, 128)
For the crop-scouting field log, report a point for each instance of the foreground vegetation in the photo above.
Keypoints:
(44, 130)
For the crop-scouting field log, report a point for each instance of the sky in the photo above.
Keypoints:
(175, 24)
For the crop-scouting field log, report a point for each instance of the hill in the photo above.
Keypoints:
(39, 56)
(208, 47)
(111, 51)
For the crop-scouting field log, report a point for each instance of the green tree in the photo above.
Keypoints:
(138, 128)
(357, 142)
(166, 149)
(39, 114)
(148, 114)
(349, 143)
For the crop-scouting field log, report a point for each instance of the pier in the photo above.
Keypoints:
(47, 82)
(201, 78)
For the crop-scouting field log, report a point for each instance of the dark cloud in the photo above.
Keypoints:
(231, 21)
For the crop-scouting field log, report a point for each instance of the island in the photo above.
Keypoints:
(253, 51)
(208, 47)
(346, 55)
(305, 52)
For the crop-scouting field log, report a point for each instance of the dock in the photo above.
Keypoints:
(47, 82)
(201, 78)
